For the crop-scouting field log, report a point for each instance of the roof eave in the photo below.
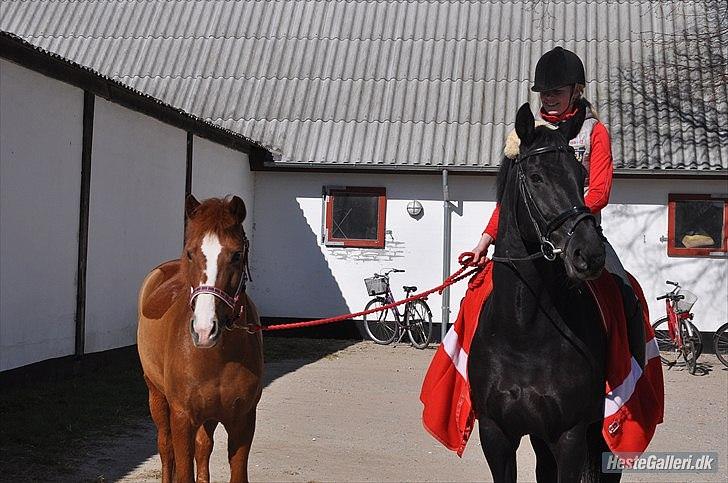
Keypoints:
(671, 173)
(314, 167)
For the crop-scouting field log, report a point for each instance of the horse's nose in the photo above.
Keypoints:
(205, 337)
(588, 261)
(579, 260)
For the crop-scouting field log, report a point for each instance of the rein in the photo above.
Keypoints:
(548, 250)
(239, 321)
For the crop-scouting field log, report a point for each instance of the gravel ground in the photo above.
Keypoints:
(354, 415)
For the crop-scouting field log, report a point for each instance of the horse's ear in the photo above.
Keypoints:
(525, 124)
(237, 208)
(571, 128)
(191, 205)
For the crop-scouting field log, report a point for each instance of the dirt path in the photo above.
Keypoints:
(355, 416)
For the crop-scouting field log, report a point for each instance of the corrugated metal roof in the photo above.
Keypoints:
(382, 83)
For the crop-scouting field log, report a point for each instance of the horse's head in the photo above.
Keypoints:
(215, 261)
(550, 189)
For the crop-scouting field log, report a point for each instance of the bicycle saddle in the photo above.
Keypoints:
(409, 289)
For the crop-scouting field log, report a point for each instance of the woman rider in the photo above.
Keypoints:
(560, 82)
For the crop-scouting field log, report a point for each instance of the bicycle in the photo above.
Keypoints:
(676, 336)
(385, 326)
(720, 343)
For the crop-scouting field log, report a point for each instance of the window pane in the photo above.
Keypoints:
(355, 216)
(698, 224)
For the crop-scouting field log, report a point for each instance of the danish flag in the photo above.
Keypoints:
(634, 397)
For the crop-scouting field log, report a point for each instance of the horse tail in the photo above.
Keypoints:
(596, 447)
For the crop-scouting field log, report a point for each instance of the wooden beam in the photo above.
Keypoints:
(86, 148)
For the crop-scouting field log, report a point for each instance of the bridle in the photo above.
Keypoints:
(238, 321)
(548, 250)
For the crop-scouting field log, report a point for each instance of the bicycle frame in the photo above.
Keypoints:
(389, 298)
(402, 324)
(673, 322)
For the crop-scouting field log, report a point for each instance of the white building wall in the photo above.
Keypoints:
(295, 275)
(635, 220)
(136, 216)
(218, 171)
(40, 173)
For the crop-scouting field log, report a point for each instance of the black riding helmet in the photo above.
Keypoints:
(558, 68)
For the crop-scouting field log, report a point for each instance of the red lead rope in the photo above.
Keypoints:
(465, 259)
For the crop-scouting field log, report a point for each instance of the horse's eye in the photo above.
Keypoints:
(536, 178)
(235, 258)
(189, 255)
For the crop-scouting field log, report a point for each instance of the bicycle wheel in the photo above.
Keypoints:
(695, 336)
(381, 326)
(418, 320)
(668, 349)
(689, 351)
(720, 344)
(669, 353)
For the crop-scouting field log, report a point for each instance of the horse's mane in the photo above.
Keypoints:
(213, 215)
(502, 178)
(551, 136)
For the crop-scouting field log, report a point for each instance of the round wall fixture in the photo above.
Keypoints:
(414, 208)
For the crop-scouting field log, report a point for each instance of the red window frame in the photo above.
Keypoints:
(675, 251)
(331, 193)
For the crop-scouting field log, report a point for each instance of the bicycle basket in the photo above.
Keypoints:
(376, 285)
(686, 303)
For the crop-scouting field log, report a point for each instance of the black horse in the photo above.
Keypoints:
(536, 364)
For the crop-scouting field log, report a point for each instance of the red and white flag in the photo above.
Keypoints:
(634, 398)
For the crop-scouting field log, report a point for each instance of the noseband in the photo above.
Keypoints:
(580, 213)
(233, 301)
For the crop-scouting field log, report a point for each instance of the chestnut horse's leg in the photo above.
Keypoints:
(159, 409)
(240, 437)
(499, 450)
(183, 441)
(203, 449)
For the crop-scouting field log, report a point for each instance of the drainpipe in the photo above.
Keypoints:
(446, 249)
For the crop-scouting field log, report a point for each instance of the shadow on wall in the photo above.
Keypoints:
(291, 276)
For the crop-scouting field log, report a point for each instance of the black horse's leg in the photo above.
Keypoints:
(499, 451)
(570, 452)
(596, 447)
(545, 461)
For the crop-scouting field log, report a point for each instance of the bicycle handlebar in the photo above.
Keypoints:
(672, 283)
(671, 296)
(391, 270)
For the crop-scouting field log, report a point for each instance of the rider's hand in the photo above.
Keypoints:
(481, 249)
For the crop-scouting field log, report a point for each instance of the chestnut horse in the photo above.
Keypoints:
(202, 364)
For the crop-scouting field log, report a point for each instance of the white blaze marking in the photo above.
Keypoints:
(205, 303)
